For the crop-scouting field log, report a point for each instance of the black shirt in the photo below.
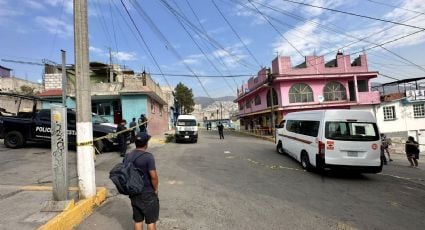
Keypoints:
(145, 163)
(410, 148)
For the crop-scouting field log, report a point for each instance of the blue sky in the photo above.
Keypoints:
(33, 30)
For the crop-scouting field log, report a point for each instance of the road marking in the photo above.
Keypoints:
(403, 178)
(226, 152)
(344, 226)
(273, 167)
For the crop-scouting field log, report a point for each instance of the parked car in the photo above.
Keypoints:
(35, 127)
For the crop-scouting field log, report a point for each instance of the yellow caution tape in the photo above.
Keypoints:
(110, 135)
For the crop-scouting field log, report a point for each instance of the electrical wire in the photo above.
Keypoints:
(395, 7)
(144, 41)
(354, 14)
(236, 33)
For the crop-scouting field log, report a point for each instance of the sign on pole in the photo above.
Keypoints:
(59, 152)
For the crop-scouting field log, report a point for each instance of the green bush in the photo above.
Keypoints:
(169, 138)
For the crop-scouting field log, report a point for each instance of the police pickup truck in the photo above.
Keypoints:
(35, 127)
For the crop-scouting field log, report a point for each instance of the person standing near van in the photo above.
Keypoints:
(220, 128)
(145, 205)
(142, 120)
(386, 142)
(412, 151)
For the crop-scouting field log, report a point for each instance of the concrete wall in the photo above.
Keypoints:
(14, 84)
(158, 122)
(133, 106)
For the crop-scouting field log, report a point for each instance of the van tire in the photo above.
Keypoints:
(14, 139)
(305, 161)
(279, 148)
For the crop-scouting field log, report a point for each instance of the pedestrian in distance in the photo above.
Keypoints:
(146, 204)
(133, 125)
(386, 142)
(412, 151)
(220, 128)
(122, 138)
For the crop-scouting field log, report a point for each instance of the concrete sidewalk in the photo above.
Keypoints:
(26, 184)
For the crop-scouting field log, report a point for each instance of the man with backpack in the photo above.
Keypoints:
(136, 177)
(146, 204)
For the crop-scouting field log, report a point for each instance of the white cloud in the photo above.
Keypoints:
(67, 4)
(35, 5)
(54, 25)
(125, 56)
(96, 50)
(309, 38)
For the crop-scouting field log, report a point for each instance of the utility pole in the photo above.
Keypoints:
(85, 158)
(64, 79)
(221, 111)
(111, 74)
(270, 79)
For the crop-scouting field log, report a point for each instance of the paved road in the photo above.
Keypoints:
(242, 183)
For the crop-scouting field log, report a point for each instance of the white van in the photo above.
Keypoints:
(347, 139)
(186, 129)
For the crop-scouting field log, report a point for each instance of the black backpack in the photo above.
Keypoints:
(127, 178)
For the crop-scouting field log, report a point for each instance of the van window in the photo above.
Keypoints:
(184, 122)
(309, 128)
(351, 131)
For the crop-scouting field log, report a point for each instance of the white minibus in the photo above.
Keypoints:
(186, 129)
(335, 139)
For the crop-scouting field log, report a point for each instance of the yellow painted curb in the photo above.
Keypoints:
(74, 215)
(41, 188)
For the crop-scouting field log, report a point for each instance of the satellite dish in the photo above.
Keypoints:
(321, 98)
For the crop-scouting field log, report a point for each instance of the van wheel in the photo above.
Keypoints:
(279, 148)
(305, 162)
(14, 139)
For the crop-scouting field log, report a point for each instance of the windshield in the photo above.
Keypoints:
(98, 119)
(351, 131)
(186, 122)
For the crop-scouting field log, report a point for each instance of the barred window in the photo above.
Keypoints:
(335, 91)
(300, 92)
(389, 113)
(248, 104)
(419, 110)
(257, 100)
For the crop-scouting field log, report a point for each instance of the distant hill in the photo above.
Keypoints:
(206, 101)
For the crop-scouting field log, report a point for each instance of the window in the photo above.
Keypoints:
(186, 122)
(308, 128)
(152, 107)
(418, 110)
(300, 92)
(104, 109)
(335, 91)
(44, 115)
(362, 86)
(241, 106)
(389, 113)
(248, 104)
(351, 131)
(257, 100)
(275, 100)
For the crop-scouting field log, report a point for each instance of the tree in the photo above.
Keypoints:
(184, 98)
(27, 90)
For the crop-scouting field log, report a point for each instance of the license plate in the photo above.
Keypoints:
(187, 137)
(352, 154)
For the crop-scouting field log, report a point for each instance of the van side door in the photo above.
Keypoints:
(41, 127)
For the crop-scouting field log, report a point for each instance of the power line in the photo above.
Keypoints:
(348, 35)
(354, 14)
(144, 41)
(201, 76)
(236, 33)
(397, 7)
(205, 42)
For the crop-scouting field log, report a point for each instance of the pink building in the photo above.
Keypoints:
(314, 84)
